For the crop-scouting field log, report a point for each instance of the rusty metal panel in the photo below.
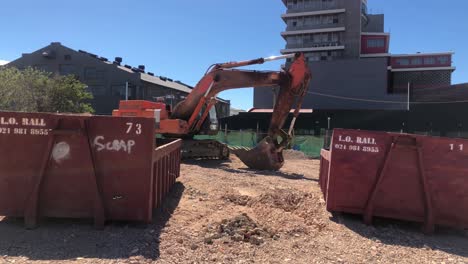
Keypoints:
(79, 167)
(167, 165)
(401, 176)
(324, 168)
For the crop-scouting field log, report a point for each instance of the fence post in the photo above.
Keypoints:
(225, 133)
(242, 137)
(257, 134)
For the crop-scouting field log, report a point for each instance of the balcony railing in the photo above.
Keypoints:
(316, 26)
(310, 44)
(315, 7)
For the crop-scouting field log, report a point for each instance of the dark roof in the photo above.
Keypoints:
(144, 76)
(163, 81)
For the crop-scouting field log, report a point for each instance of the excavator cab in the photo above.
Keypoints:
(211, 125)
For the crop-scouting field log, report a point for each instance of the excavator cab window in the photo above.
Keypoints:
(210, 125)
(213, 119)
(168, 108)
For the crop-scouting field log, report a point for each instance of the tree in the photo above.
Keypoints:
(31, 90)
(67, 94)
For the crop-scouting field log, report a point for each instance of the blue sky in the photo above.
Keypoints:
(181, 38)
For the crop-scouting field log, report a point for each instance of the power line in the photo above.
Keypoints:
(383, 101)
(356, 99)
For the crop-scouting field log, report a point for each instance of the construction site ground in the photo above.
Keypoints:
(222, 212)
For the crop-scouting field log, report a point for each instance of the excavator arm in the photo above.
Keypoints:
(195, 107)
(293, 87)
(187, 117)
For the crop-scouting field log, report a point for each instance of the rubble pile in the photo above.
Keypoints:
(240, 229)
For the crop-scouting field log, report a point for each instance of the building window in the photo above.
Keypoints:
(324, 56)
(312, 20)
(300, 21)
(299, 39)
(403, 62)
(316, 20)
(429, 61)
(67, 69)
(67, 57)
(101, 74)
(335, 37)
(295, 40)
(375, 43)
(90, 73)
(416, 61)
(326, 37)
(327, 20)
(313, 56)
(119, 91)
(307, 39)
(443, 59)
(317, 38)
(328, 3)
(337, 54)
(97, 90)
(335, 20)
(42, 67)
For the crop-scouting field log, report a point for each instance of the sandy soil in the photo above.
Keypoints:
(221, 212)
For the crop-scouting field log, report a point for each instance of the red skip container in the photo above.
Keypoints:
(78, 166)
(401, 176)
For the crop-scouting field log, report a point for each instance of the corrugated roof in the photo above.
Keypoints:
(167, 82)
(156, 80)
(125, 69)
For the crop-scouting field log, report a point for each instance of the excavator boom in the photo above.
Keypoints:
(189, 116)
(293, 87)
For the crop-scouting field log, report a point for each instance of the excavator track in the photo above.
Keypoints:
(204, 149)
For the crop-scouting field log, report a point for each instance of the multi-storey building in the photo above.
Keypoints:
(109, 81)
(348, 54)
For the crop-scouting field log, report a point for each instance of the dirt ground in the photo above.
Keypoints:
(221, 212)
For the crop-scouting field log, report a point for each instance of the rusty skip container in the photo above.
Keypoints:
(401, 176)
(77, 166)
(166, 169)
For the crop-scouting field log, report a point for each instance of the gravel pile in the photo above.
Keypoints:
(286, 200)
(241, 200)
(240, 228)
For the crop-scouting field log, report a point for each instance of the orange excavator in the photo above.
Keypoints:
(196, 114)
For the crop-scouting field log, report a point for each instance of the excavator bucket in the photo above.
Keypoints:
(265, 156)
(268, 154)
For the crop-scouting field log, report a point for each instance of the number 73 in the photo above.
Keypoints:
(137, 128)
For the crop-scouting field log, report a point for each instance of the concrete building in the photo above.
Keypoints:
(348, 54)
(109, 81)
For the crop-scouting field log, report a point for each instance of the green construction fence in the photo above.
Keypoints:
(309, 145)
